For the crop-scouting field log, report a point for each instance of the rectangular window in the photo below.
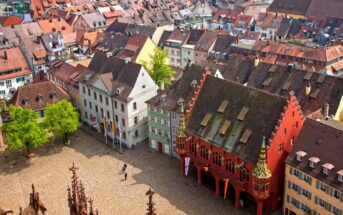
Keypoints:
(122, 108)
(2, 83)
(2, 92)
(116, 118)
(83, 89)
(136, 133)
(153, 130)
(89, 92)
(115, 105)
(124, 135)
(90, 105)
(94, 94)
(8, 83)
(96, 108)
(85, 102)
(135, 120)
(134, 106)
(100, 98)
(21, 79)
(108, 115)
(106, 100)
(86, 115)
(123, 122)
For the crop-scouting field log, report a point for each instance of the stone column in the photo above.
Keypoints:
(237, 198)
(259, 206)
(217, 194)
(199, 171)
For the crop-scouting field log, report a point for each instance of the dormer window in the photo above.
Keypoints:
(39, 98)
(300, 155)
(327, 167)
(53, 95)
(24, 102)
(340, 176)
(313, 161)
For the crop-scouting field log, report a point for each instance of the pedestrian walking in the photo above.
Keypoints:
(124, 167)
(125, 175)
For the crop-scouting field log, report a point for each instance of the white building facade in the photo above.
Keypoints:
(104, 101)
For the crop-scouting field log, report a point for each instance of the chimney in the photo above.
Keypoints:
(5, 55)
(162, 85)
(12, 26)
(257, 61)
(59, 19)
(50, 20)
(53, 29)
(38, 39)
(326, 110)
(308, 89)
(89, 47)
(63, 28)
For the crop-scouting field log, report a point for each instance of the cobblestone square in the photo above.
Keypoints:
(99, 170)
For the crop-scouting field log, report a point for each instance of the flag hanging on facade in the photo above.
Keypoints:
(105, 127)
(187, 161)
(113, 127)
(95, 122)
(226, 183)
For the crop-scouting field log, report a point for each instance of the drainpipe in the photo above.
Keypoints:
(171, 134)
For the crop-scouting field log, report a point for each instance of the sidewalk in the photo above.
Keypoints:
(100, 137)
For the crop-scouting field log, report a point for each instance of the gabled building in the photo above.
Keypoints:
(291, 8)
(204, 46)
(67, 77)
(115, 91)
(187, 48)
(164, 109)
(314, 91)
(173, 47)
(90, 21)
(14, 71)
(35, 53)
(327, 60)
(10, 36)
(242, 24)
(314, 170)
(54, 45)
(37, 96)
(267, 25)
(239, 136)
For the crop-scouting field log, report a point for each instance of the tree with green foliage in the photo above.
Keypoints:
(61, 118)
(23, 130)
(158, 68)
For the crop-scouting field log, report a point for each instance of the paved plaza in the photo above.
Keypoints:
(99, 170)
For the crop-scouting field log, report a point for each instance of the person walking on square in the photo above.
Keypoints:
(124, 167)
(125, 175)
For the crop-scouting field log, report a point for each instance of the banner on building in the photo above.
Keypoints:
(187, 161)
(226, 183)
(95, 122)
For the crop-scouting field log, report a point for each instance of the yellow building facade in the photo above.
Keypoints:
(305, 194)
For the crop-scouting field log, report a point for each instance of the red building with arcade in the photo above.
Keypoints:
(239, 136)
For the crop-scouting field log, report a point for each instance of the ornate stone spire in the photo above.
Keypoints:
(261, 170)
(182, 126)
(151, 208)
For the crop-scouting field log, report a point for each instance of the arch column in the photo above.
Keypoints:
(217, 193)
(259, 206)
(182, 166)
(237, 198)
(199, 170)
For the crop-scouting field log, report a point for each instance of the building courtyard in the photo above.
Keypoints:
(100, 171)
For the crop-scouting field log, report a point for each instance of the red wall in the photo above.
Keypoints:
(275, 158)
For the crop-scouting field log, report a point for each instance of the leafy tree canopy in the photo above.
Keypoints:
(158, 68)
(61, 118)
(23, 130)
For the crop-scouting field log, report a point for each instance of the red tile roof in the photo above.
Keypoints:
(48, 93)
(12, 20)
(15, 61)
